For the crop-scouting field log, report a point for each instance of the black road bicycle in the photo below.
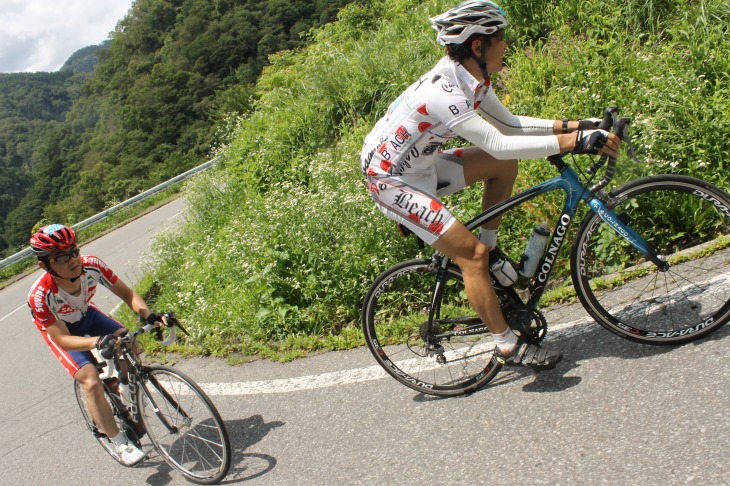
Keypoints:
(649, 262)
(166, 405)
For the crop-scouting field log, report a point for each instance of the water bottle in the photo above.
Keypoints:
(124, 393)
(533, 252)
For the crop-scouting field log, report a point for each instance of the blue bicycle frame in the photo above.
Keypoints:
(575, 192)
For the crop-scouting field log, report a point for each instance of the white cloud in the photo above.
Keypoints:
(39, 35)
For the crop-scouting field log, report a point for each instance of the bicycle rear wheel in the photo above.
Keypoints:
(125, 425)
(688, 221)
(184, 425)
(395, 323)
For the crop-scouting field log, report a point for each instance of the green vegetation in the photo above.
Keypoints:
(283, 240)
(74, 143)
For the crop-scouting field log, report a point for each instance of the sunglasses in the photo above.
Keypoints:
(65, 257)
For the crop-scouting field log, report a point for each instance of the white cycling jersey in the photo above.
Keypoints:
(444, 103)
(402, 156)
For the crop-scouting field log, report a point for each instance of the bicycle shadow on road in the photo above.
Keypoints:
(245, 466)
(594, 343)
(591, 342)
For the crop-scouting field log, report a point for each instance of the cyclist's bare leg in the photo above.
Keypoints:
(498, 175)
(99, 408)
(472, 257)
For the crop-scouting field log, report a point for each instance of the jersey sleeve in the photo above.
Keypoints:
(39, 306)
(485, 136)
(492, 110)
(448, 104)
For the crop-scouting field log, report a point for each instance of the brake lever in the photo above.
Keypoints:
(173, 322)
(630, 151)
(610, 115)
(624, 136)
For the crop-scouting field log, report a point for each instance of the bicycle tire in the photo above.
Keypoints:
(125, 426)
(396, 310)
(688, 221)
(198, 445)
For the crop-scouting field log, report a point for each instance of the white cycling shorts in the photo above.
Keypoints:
(412, 199)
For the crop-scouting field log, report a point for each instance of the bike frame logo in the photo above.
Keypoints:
(133, 390)
(714, 201)
(555, 244)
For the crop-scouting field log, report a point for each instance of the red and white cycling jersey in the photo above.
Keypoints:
(444, 103)
(49, 303)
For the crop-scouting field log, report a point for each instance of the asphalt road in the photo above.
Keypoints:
(613, 412)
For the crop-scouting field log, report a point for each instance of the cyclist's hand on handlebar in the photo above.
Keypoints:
(596, 141)
(105, 345)
(156, 319)
(589, 123)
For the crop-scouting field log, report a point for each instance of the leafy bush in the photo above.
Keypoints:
(283, 241)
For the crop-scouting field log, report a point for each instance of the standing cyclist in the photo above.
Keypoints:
(407, 170)
(60, 302)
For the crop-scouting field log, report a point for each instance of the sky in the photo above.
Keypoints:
(39, 35)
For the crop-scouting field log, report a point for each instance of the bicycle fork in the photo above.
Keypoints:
(169, 400)
(627, 233)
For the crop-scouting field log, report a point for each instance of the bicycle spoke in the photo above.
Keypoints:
(691, 298)
(395, 320)
(197, 443)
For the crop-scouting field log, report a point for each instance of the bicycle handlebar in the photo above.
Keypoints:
(620, 127)
(108, 352)
(171, 323)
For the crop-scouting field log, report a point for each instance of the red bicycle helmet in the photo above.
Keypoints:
(52, 238)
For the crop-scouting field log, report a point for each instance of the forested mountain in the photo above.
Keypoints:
(31, 104)
(84, 60)
(149, 111)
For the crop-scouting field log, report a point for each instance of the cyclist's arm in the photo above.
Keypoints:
(62, 337)
(131, 298)
(492, 110)
(481, 133)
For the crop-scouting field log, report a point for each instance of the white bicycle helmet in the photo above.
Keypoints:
(467, 19)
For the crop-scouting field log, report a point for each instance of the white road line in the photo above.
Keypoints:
(16, 310)
(376, 372)
(310, 382)
(345, 377)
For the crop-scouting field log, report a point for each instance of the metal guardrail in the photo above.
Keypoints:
(23, 254)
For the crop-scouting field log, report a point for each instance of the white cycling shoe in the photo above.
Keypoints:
(129, 454)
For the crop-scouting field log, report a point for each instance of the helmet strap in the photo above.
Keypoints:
(482, 59)
(52, 272)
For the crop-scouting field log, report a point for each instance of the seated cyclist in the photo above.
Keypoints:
(407, 170)
(60, 302)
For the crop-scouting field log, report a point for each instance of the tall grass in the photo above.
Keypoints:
(283, 240)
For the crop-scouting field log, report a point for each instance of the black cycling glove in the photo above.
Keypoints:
(589, 124)
(105, 345)
(590, 141)
(154, 317)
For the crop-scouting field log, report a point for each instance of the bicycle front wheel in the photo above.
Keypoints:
(435, 359)
(688, 222)
(184, 425)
